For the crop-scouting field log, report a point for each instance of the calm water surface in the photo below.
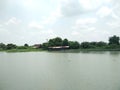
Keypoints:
(60, 71)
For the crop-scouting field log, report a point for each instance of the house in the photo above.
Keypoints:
(58, 48)
(37, 46)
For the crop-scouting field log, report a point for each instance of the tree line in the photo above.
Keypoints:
(12, 46)
(113, 43)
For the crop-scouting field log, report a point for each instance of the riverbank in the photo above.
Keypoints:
(39, 50)
(22, 50)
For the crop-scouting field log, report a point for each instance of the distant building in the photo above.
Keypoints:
(58, 47)
(37, 46)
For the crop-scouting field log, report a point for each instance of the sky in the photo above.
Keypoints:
(36, 21)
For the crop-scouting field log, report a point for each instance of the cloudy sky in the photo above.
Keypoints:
(35, 21)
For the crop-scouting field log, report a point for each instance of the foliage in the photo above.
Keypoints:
(55, 42)
(114, 40)
(26, 45)
(45, 46)
(59, 42)
(74, 45)
(65, 42)
(11, 46)
(101, 44)
(85, 45)
(22, 47)
(2, 46)
(112, 45)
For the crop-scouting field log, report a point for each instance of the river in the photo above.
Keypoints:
(65, 70)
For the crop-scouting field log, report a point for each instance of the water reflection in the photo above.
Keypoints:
(79, 51)
(60, 70)
(116, 53)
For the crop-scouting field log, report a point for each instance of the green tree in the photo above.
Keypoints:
(45, 46)
(101, 44)
(11, 46)
(114, 40)
(51, 43)
(92, 44)
(74, 45)
(58, 41)
(21, 47)
(97, 44)
(26, 45)
(55, 42)
(65, 42)
(2, 46)
(85, 45)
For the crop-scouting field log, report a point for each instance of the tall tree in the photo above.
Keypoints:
(26, 45)
(114, 40)
(65, 42)
(58, 41)
(11, 46)
(2, 46)
(55, 42)
(85, 45)
(74, 44)
(51, 42)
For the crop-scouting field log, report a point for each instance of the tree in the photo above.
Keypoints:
(92, 44)
(55, 42)
(85, 45)
(58, 41)
(26, 45)
(97, 44)
(11, 46)
(101, 44)
(45, 46)
(114, 40)
(74, 45)
(2, 46)
(51, 43)
(65, 42)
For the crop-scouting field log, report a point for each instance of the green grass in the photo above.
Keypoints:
(99, 49)
(23, 50)
(38, 50)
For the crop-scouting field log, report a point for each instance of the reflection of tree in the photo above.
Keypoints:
(115, 53)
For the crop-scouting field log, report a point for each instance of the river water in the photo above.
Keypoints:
(65, 70)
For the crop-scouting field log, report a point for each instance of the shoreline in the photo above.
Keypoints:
(39, 50)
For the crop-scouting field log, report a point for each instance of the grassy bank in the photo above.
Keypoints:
(38, 50)
(22, 50)
(99, 49)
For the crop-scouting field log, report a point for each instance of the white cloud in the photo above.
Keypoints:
(85, 21)
(93, 4)
(54, 16)
(91, 28)
(88, 18)
(35, 25)
(75, 33)
(71, 8)
(31, 4)
(115, 16)
(1, 25)
(50, 31)
(104, 11)
(77, 7)
(13, 20)
(113, 24)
